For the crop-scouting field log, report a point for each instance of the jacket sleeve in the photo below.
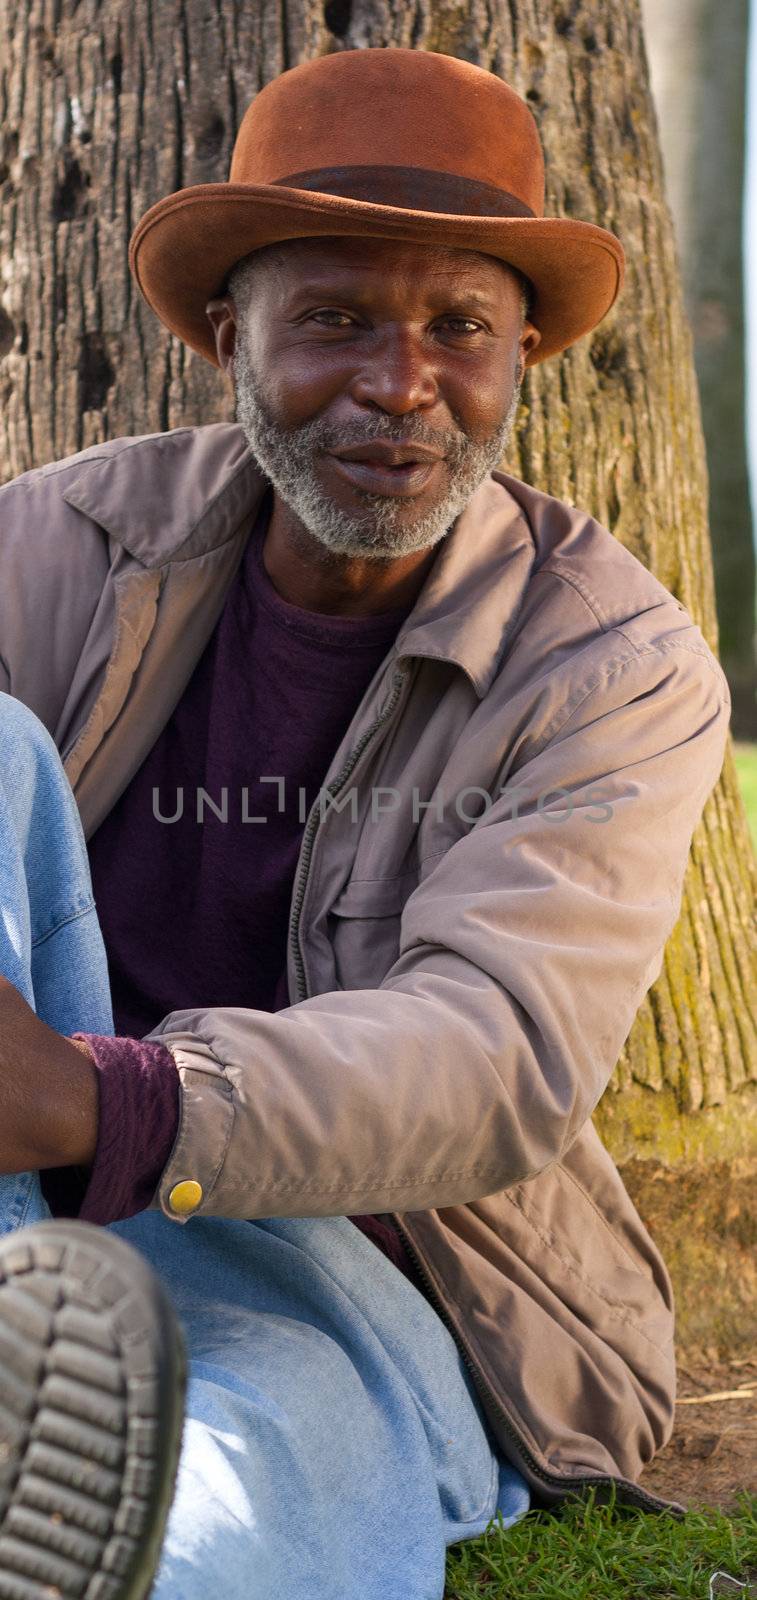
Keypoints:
(525, 953)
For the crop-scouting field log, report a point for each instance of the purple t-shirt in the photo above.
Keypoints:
(192, 895)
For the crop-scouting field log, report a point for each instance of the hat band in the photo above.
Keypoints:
(413, 188)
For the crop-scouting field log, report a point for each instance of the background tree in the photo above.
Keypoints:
(697, 52)
(107, 106)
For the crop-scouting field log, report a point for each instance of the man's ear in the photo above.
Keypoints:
(529, 338)
(221, 314)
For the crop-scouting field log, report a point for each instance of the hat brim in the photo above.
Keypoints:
(184, 247)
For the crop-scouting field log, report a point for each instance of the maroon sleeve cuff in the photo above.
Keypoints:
(138, 1117)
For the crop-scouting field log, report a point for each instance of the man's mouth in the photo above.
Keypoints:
(388, 453)
(403, 478)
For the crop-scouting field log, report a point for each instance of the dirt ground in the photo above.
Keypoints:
(712, 1455)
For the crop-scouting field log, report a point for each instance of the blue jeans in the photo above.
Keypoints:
(334, 1444)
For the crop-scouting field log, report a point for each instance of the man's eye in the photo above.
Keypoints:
(467, 322)
(341, 314)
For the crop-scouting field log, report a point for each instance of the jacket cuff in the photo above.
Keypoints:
(206, 1119)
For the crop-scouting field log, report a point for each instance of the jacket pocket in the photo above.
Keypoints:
(364, 928)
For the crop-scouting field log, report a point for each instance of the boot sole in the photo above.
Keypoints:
(92, 1385)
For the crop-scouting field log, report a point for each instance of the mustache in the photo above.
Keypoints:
(324, 438)
(399, 432)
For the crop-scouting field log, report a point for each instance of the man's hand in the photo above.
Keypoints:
(48, 1092)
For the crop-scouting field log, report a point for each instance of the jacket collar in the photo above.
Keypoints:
(186, 492)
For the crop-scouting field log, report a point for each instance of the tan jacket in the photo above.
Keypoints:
(481, 902)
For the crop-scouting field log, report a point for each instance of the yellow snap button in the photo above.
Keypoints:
(185, 1197)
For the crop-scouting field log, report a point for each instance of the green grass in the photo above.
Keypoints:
(590, 1552)
(745, 756)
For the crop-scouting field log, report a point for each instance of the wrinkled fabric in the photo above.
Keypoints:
(471, 933)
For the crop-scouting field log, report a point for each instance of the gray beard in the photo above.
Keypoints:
(387, 527)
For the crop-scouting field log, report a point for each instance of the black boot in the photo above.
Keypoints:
(92, 1381)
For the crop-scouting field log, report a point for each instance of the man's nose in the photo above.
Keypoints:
(398, 374)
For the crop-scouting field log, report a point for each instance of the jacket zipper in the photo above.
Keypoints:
(628, 1493)
(631, 1493)
(401, 676)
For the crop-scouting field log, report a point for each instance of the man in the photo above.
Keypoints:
(388, 766)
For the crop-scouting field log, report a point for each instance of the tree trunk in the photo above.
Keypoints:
(697, 53)
(106, 107)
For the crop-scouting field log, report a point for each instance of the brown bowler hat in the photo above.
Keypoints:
(392, 144)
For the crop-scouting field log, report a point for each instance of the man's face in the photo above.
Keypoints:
(345, 341)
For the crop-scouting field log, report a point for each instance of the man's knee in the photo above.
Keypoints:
(30, 766)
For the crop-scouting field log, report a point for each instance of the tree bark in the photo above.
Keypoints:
(697, 53)
(106, 107)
